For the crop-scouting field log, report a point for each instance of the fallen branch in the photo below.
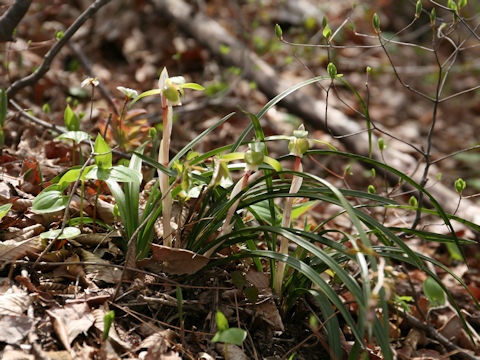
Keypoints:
(50, 55)
(213, 36)
(10, 19)
(434, 334)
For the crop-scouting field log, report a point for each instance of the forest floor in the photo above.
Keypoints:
(57, 309)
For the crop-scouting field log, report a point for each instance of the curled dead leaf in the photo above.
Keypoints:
(175, 261)
(70, 321)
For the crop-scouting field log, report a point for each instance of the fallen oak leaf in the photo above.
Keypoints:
(174, 261)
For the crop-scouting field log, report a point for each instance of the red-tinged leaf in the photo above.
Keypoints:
(475, 291)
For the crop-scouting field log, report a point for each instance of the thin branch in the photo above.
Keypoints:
(50, 55)
(88, 69)
(10, 19)
(434, 334)
(59, 129)
(455, 153)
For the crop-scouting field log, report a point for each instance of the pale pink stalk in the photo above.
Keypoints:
(287, 215)
(227, 225)
(163, 158)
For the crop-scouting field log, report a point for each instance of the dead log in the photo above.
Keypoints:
(212, 35)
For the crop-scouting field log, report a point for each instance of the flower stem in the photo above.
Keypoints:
(227, 226)
(164, 179)
(287, 216)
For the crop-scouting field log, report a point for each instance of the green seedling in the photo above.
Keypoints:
(107, 323)
(226, 334)
(4, 209)
(74, 134)
(53, 199)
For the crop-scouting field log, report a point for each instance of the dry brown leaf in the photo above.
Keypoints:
(98, 272)
(92, 239)
(14, 302)
(23, 234)
(176, 261)
(70, 321)
(258, 279)
(14, 328)
(158, 345)
(428, 354)
(205, 356)
(9, 353)
(409, 346)
(105, 212)
(58, 355)
(12, 250)
(267, 309)
(453, 330)
(99, 315)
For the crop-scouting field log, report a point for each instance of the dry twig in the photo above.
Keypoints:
(50, 55)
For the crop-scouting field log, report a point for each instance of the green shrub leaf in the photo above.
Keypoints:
(72, 123)
(222, 322)
(434, 292)
(75, 136)
(49, 201)
(4, 209)
(104, 160)
(68, 233)
(231, 336)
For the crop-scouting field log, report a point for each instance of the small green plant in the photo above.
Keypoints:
(4, 209)
(226, 334)
(107, 323)
(73, 134)
(170, 89)
(53, 199)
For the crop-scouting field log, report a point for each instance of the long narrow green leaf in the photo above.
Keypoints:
(200, 137)
(325, 288)
(365, 114)
(273, 102)
(406, 178)
(146, 93)
(3, 107)
(332, 325)
(155, 164)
